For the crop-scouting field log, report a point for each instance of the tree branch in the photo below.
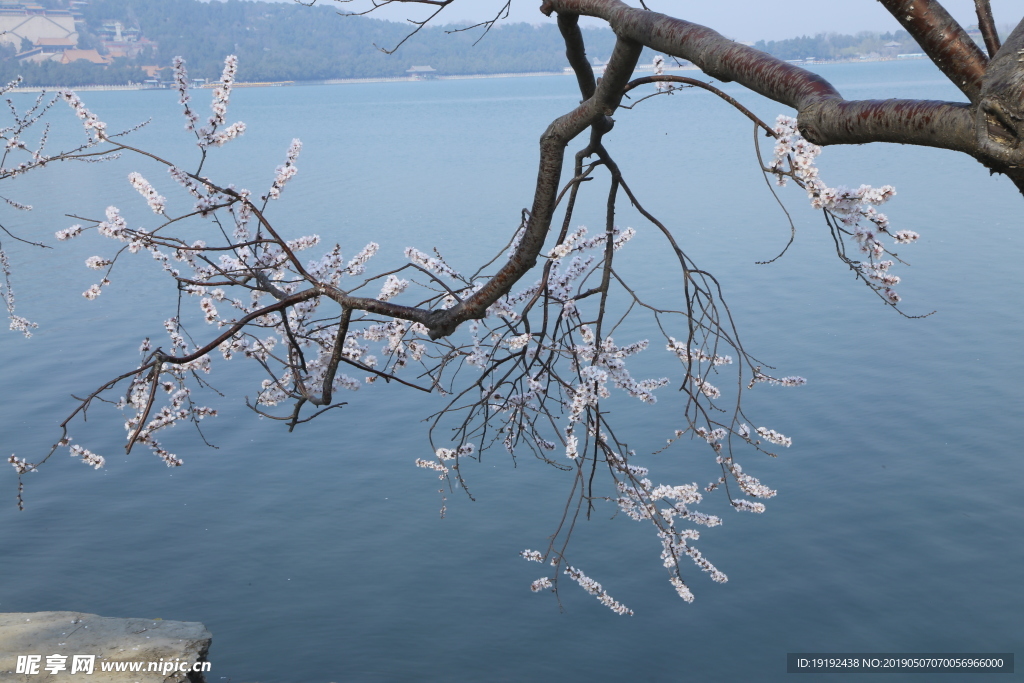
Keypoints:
(576, 53)
(826, 118)
(562, 130)
(987, 26)
(944, 41)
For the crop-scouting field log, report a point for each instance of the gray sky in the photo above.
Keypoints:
(744, 20)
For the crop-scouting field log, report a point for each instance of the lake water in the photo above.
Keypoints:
(320, 555)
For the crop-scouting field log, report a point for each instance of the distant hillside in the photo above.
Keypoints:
(284, 41)
(129, 40)
(834, 46)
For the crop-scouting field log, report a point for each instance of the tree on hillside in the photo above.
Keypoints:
(521, 349)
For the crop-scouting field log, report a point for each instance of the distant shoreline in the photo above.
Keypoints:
(417, 79)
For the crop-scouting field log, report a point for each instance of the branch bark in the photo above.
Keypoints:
(1000, 119)
(987, 25)
(944, 41)
(825, 117)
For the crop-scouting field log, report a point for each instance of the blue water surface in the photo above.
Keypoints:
(321, 555)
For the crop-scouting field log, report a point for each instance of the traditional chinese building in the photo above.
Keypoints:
(28, 21)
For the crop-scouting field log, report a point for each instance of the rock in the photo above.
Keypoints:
(170, 645)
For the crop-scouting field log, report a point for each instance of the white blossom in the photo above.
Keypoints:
(68, 233)
(748, 506)
(393, 286)
(681, 588)
(706, 388)
(21, 466)
(94, 128)
(774, 437)
(516, 343)
(88, 457)
(905, 236)
(181, 85)
(156, 202)
(358, 264)
(695, 354)
(23, 325)
(430, 263)
(853, 208)
(595, 589)
(433, 465)
(572, 447)
(97, 262)
(286, 171)
(114, 227)
(540, 584)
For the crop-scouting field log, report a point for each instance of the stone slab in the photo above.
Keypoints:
(112, 640)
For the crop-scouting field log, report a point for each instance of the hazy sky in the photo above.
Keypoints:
(744, 20)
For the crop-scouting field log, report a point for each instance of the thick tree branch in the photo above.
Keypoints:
(948, 125)
(1000, 120)
(944, 41)
(714, 54)
(987, 26)
(576, 53)
(825, 117)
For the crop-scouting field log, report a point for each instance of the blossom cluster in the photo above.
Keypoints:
(156, 202)
(285, 171)
(21, 466)
(595, 589)
(19, 158)
(435, 265)
(181, 85)
(143, 425)
(88, 457)
(791, 381)
(696, 354)
(540, 584)
(214, 133)
(94, 128)
(659, 70)
(853, 208)
(607, 363)
(18, 323)
(774, 437)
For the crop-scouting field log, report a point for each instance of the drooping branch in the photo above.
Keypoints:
(562, 130)
(542, 380)
(693, 82)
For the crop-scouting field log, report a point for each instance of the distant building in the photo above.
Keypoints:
(29, 21)
(69, 56)
(50, 45)
(422, 72)
(116, 32)
(126, 48)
